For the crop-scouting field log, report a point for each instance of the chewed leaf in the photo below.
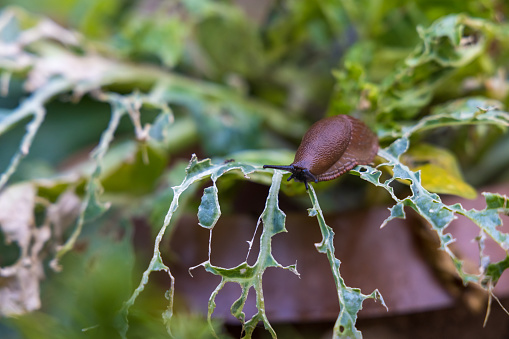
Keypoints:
(250, 276)
(397, 211)
(450, 42)
(209, 210)
(445, 42)
(470, 108)
(350, 299)
(496, 201)
(204, 168)
(429, 205)
(494, 271)
(465, 111)
(397, 148)
(241, 273)
(246, 275)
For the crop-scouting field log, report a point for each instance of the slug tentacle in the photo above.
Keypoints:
(330, 148)
(286, 168)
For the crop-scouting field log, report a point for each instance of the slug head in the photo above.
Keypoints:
(298, 174)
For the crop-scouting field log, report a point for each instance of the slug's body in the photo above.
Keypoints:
(330, 148)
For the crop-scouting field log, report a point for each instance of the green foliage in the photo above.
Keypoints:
(240, 88)
(159, 36)
(450, 43)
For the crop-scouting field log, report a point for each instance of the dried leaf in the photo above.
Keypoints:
(19, 283)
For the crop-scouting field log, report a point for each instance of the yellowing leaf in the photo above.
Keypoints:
(439, 180)
(440, 172)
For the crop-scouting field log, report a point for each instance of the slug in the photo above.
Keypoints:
(330, 148)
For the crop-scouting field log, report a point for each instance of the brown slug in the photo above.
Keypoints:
(330, 148)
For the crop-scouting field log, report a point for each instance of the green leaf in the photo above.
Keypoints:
(209, 210)
(497, 201)
(195, 171)
(226, 129)
(133, 168)
(494, 272)
(158, 264)
(159, 35)
(352, 91)
(465, 111)
(243, 273)
(241, 52)
(350, 299)
(429, 205)
(94, 17)
(248, 276)
(450, 42)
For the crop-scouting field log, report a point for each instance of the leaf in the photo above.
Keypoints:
(226, 129)
(16, 214)
(497, 201)
(352, 91)
(431, 208)
(465, 111)
(195, 171)
(209, 210)
(264, 157)
(20, 289)
(250, 276)
(440, 180)
(350, 299)
(133, 168)
(19, 282)
(494, 271)
(440, 172)
(32, 107)
(94, 17)
(159, 34)
(450, 42)
(471, 107)
(245, 44)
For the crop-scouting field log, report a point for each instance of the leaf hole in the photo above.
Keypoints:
(470, 37)
(401, 189)
(341, 329)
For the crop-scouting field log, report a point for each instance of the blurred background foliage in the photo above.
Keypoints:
(243, 80)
